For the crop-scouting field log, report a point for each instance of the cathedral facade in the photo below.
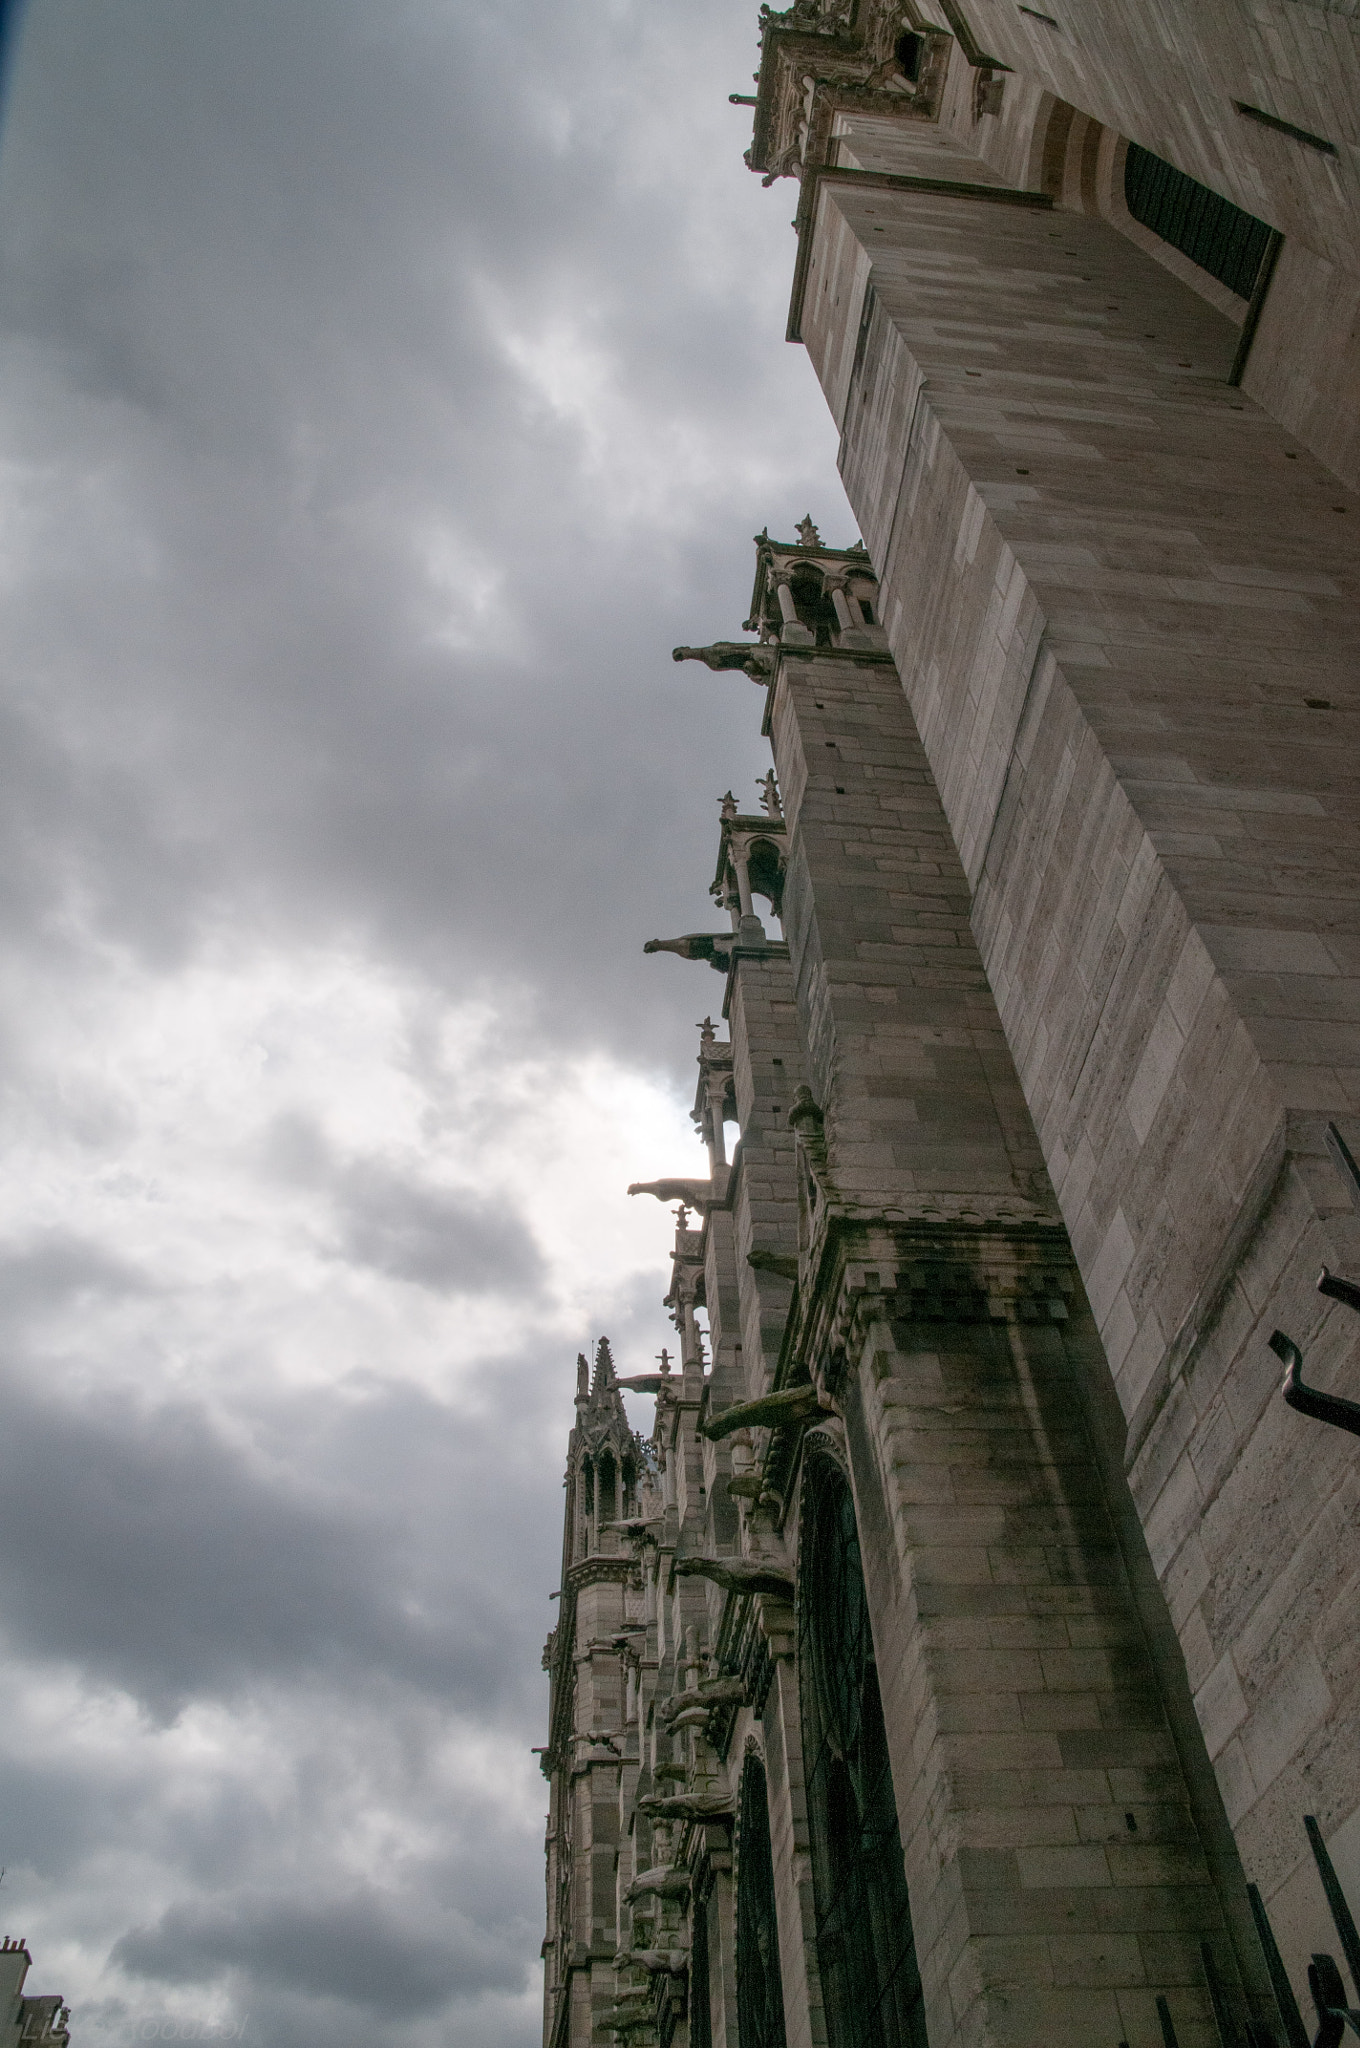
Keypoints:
(968, 1655)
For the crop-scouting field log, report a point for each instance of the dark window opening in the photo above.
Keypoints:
(911, 54)
(700, 1989)
(867, 610)
(766, 870)
(871, 1985)
(1207, 228)
(814, 607)
(760, 1990)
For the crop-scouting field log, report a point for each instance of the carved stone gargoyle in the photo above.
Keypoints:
(672, 1962)
(696, 1194)
(748, 655)
(663, 1882)
(771, 1411)
(782, 1263)
(688, 1805)
(1333, 1408)
(718, 1692)
(625, 2019)
(738, 1574)
(715, 947)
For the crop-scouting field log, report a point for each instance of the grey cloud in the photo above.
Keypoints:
(360, 1948)
(451, 1240)
(269, 281)
(57, 1268)
(435, 1237)
(148, 1549)
(260, 263)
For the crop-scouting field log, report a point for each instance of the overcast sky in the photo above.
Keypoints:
(383, 391)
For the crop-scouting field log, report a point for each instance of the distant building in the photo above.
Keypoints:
(25, 2021)
(968, 1659)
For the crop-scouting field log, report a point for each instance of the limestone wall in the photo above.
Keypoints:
(1112, 585)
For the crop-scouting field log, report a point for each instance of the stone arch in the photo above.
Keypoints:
(812, 602)
(866, 1953)
(1083, 166)
(766, 868)
(760, 1989)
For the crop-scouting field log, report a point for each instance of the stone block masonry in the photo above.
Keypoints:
(1125, 605)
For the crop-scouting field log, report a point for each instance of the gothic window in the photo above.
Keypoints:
(910, 52)
(813, 605)
(1210, 230)
(760, 1991)
(700, 1989)
(871, 1985)
(765, 866)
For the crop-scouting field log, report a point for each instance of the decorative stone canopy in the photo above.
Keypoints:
(810, 595)
(821, 58)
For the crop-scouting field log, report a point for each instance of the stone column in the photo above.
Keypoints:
(793, 630)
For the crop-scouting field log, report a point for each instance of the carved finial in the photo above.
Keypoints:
(769, 795)
(808, 536)
(604, 1366)
(664, 1359)
(682, 1217)
(707, 1034)
(727, 805)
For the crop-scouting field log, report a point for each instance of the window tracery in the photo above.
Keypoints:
(871, 1985)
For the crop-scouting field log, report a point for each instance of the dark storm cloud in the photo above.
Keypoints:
(450, 1240)
(261, 270)
(383, 392)
(46, 1272)
(434, 1237)
(142, 1546)
(359, 1948)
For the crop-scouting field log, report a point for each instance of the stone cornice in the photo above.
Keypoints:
(948, 1269)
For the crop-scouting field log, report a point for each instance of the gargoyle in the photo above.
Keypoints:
(623, 2019)
(738, 1574)
(808, 1122)
(719, 1692)
(663, 1881)
(748, 655)
(771, 1411)
(715, 947)
(697, 1194)
(673, 1963)
(781, 1263)
(645, 1382)
(688, 1806)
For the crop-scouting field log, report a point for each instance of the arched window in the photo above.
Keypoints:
(871, 1985)
(760, 1990)
(1204, 226)
(700, 1987)
(813, 604)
